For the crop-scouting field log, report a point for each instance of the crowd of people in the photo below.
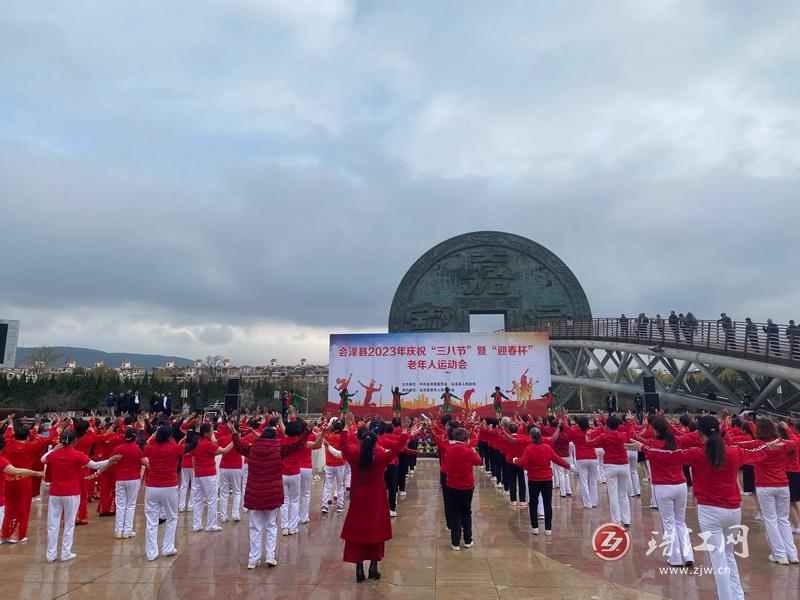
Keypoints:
(218, 466)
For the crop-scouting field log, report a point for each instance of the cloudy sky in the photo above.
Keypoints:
(243, 177)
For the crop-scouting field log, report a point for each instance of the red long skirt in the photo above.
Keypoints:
(356, 553)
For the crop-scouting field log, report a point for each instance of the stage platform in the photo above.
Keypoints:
(507, 562)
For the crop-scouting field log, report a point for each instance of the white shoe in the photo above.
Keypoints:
(758, 517)
(535, 530)
(507, 492)
(780, 561)
(294, 531)
(252, 566)
(118, 536)
(214, 529)
(271, 562)
(131, 534)
(498, 485)
(402, 494)
(236, 519)
(794, 560)
(470, 545)
(197, 529)
(513, 503)
(223, 519)
(284, 531)
(392, 513)
(245, 509)
(72, 556)
(548, 532)
(456, 548)
(339, 510)
(172, 552)
(325, 509)
(305, 522)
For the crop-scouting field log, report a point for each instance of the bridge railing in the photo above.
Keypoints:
(766, 342)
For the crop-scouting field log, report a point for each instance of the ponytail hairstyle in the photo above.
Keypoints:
(130, 434)
(80, 427)
(192, 439)
(367, 456)
(68, 437)
(765, 429)
(582, 422)
(396, 422)
(715, 447)
(664, 432)
(536, 434)
(164, 434)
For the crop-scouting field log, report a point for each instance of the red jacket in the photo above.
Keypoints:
(583, 451)
(264, 489)
(458, 462)
(771, 472)
(611, 442)
(536, 461)
(712, 487)
(517, 447)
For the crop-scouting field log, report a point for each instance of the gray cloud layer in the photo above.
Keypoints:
(245, 176)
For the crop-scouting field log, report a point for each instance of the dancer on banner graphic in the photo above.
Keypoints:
(497, 400)
(467, 397)
(447, 398)
(371, 389)
(344, 400)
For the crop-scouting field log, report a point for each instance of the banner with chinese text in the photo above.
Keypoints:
(423, 364)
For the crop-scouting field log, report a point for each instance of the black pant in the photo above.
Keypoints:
(402, 471)
(390, 477)
(501, 467)
(514, 477)
(546, 489)
(412, 458)
(460, 511)
(445, 499)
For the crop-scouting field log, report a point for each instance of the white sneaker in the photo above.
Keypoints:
(535, 530)
(117, 536)
(392, 513)
(513, 503)
(456, 548)
(507, 492)
(271, 562)
(131, 534)
(236, 519)
(294, 531)
(223, 519)
(214, 529)
(548, 532)
(284, 531)
(172, 552)
(402, 494)
(498, 485)
(252, 566)
(325, 509)
(780, 561)
(73, 556)
(794, 560)
(758, 517)
(197, 529)
(470, 545)
(340, 510)
(305, 522)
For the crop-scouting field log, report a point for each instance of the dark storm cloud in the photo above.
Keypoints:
(243, 177)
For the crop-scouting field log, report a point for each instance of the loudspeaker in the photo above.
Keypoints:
(232, 395)
(651, 402)
(649, 384)
(233, 387)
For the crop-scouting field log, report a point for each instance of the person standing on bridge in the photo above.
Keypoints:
(623, 325)
(674, 324)
(793, 333)
(751, 332)
(728, 328)
(772, 331)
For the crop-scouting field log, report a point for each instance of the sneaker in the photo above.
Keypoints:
(172, 552)
(780, 561)
(236, 519)
(223, 519)
(284, 531)
(245, 509)
(18, 541)
(271, 562)
(794, 560)
(340, 510)
(498, 485)
(513, 503)
(402, 494)
(73, 556)
(469, 545)
(548, 532)
(535, 530)
(506, 492)
(456, 548)
(252, 565)
(214, 529)
(131, 534)
(197, 529)
(118, 536)
(325, 509)
(392, 513)
(758, 517)
(305, 522)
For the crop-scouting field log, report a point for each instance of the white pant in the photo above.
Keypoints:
(186, 484)
(306, 476)
(245, 473)
(774, 503)
(347, 475)
(562, 474)
(126, 493)
(58, 507)
(634, 487)
(332, 473)
(291, 502)
(158, 501)
(204, 491)
(230, 485)
(719, 522)
(262, 521)
(617, 480)
(601, 471)
(671, 502)
(587, 475)
(653, 503)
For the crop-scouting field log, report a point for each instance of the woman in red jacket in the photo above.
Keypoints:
(66, 466)
(17, 473)
(263, 494)
(161, 495)
(536, 461)
(128, 476)
(459, 461)
(715, 468)
(772, 489)
(586, 459)
(617, 469)
(203, 449)
(367, 525)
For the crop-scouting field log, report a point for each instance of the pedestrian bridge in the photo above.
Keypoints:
(707, 365)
